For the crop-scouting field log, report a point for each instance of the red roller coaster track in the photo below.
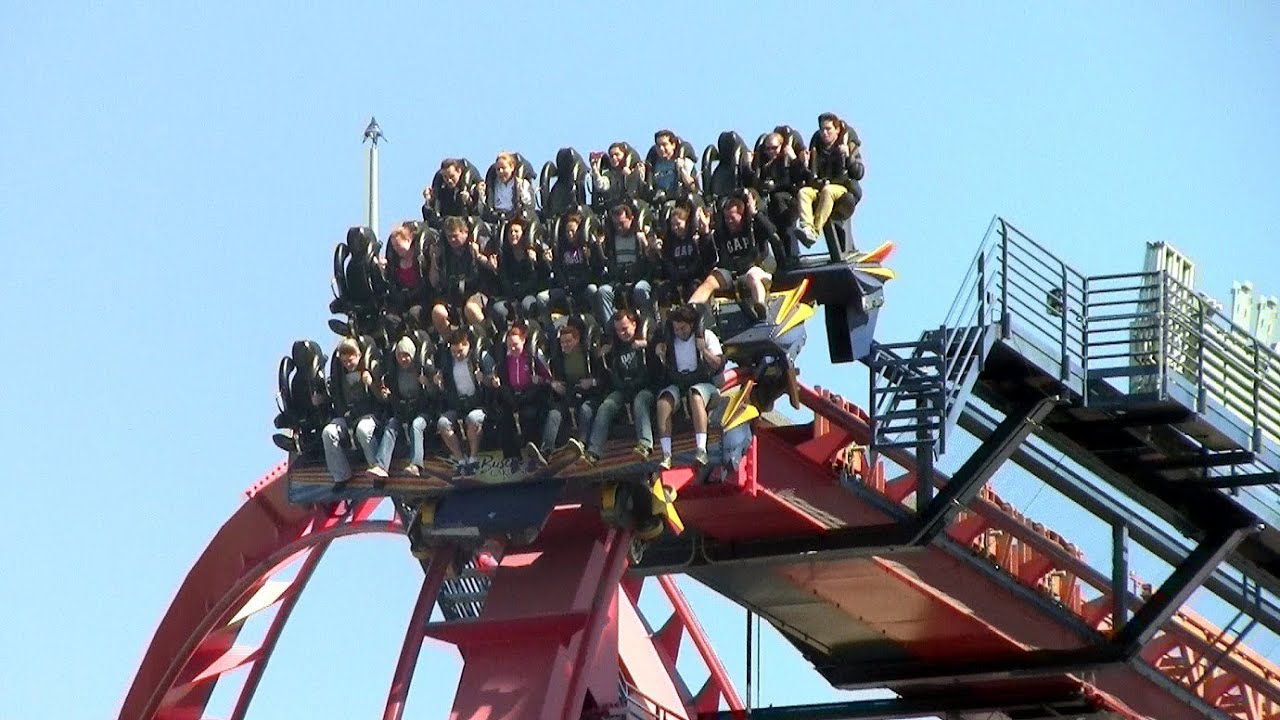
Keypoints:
(561, 625)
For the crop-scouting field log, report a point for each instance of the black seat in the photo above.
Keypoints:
(569, 172)
(300, 381)
(358, 283)
(729, 157)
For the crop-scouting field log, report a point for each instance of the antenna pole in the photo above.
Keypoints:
(373, 133)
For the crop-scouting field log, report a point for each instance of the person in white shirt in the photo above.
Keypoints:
(508, 191)
(692, 361)
(463, 376)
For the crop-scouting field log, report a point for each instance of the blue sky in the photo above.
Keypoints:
(173, 179)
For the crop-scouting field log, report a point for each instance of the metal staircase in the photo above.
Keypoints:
(920, 389)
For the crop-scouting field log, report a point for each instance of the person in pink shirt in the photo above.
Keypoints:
(521, 377)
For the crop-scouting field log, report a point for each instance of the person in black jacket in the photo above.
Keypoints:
(455, 274)
(835, 167)
(357, 396)
(626, 249)
(778, 176)
(577, 382)
(619, 180)
(452, 194)
(688, 252)
(522, 274)
(742, 237)
(578, 266)
(631, 376)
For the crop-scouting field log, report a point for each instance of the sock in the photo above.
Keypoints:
(700, 439)
(666, 446)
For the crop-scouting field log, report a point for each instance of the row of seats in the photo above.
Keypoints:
(487, 265)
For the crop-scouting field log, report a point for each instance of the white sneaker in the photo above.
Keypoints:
(376, 471)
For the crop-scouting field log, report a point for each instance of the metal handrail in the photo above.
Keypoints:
(1087, 322)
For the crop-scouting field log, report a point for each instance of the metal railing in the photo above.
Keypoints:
(1136, 331)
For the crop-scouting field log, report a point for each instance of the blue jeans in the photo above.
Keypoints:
(555, 416)
(335, 457)
(641, 294)
(641, 410)
(417, 438)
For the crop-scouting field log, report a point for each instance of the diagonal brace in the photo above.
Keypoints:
(999, 446)
(1191, 574)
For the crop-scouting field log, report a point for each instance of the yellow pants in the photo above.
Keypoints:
(826, 201)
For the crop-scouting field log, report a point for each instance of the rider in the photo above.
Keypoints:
(742, 238)
(455, 273)
(358, 398)
(578, 263)
(522, 273)
(577, 381)
(688, 252)
(631, 373)
(511, 193)
(835, 167)
(406, 280)
(691, 363)
(626, 250)
(779, 174)
(519, 378)
(617, 181)
(414, 398)
(451, 197)
(674, 176)
(461, 373)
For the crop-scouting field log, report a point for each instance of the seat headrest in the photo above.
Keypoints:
(361, 241)
(728, 143)
(569, 164)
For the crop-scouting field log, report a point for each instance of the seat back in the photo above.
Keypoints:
(569, 173)
(724, 165)
(357, 281)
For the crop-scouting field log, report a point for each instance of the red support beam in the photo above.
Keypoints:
(416, 631)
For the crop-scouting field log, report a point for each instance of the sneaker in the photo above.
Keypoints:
(591, 458)
(377, 471)
(486, 563)
(531, 452)
(665, 462)
(642, 451)
(413, 470)
(700, 457)
(578, 447)
(810, 235)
